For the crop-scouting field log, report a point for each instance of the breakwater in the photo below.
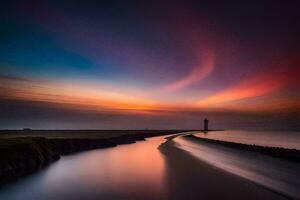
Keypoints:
(277, 152)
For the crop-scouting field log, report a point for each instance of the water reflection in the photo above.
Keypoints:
(142, 171)
(133, 171)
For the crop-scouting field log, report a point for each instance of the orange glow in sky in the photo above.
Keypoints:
(93, 97)
(255, 86)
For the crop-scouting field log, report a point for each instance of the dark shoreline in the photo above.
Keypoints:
(80, 133)
(277, 152)
(21, 156)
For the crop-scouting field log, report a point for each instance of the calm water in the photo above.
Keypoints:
(139, 171)
(124, 172)
(287, 139)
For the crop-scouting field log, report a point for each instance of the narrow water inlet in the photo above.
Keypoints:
(126, 171)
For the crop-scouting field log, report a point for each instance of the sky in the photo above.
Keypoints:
(149, 64)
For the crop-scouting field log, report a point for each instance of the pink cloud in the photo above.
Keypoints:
(201, 71)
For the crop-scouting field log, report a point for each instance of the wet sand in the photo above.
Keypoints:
(189, 178)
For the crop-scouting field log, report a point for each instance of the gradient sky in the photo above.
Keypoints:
(149, 64)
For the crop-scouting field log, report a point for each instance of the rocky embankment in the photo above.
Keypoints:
(24, 155)
(278, 152)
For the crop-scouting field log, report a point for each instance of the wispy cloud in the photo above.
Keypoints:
(198, 73)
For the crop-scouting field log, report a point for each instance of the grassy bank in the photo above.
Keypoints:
(21, 156)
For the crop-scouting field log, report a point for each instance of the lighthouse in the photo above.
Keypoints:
(205, 128)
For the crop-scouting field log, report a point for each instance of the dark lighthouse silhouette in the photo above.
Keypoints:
(205, 128)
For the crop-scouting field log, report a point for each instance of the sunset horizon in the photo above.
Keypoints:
(149, 100)
(166, 62)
